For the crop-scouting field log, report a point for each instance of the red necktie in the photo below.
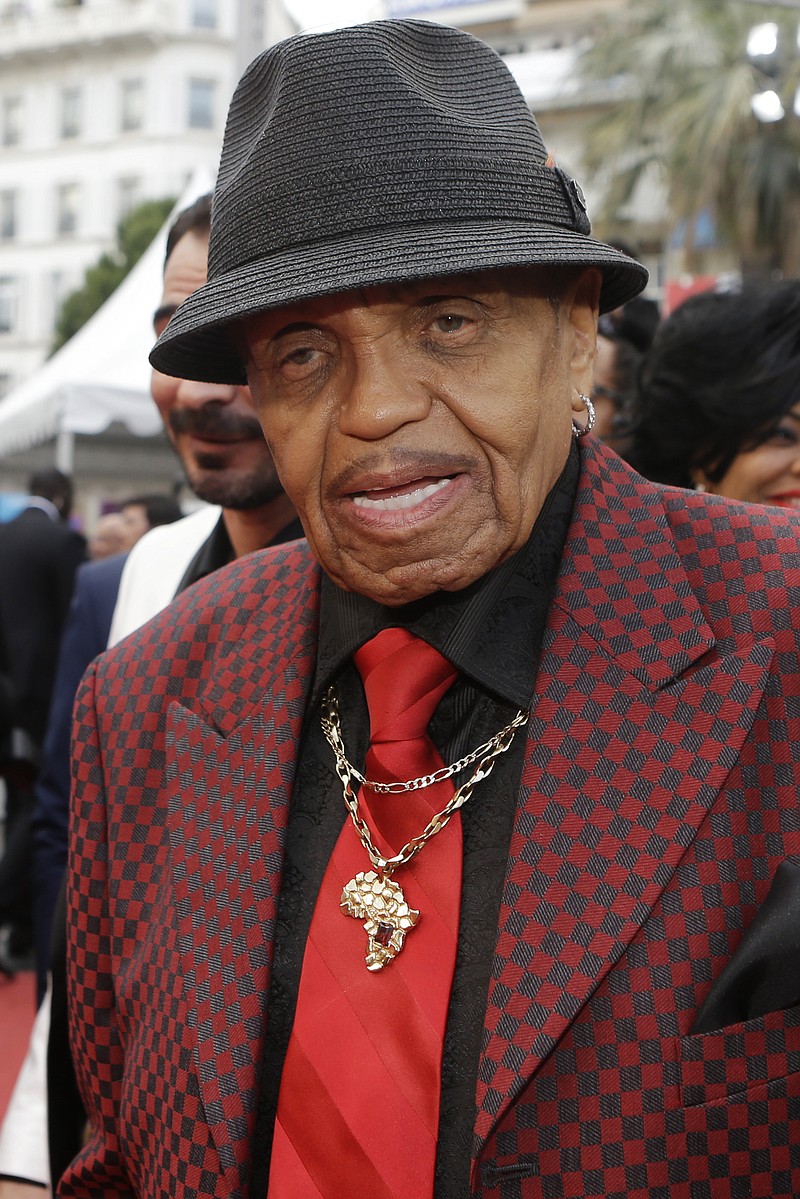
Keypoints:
(358, 1109)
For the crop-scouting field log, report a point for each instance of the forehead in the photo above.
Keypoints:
(186, 268)
(496, 288)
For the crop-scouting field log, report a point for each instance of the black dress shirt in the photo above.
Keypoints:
(492, 631)
(217, 551)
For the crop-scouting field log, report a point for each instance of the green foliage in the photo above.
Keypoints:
(135, 232)
(680, 87)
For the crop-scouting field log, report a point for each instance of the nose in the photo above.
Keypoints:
(379, 392)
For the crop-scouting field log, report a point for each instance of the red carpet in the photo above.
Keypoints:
(17, 1012)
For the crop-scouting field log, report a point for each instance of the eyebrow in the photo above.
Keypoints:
(293, 327)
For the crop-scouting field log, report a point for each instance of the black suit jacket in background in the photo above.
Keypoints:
(38, 560)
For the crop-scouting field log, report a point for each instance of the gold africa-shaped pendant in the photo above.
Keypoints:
(381, 904)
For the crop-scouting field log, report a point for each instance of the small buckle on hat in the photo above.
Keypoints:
(573, 193)
(577, 192)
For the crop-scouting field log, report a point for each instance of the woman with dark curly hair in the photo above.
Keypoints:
(719, 401)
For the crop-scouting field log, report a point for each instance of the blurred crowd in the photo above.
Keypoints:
(40, 554)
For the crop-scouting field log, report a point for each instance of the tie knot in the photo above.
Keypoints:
(404, 679)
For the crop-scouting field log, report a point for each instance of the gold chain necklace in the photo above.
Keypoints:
(373, 896)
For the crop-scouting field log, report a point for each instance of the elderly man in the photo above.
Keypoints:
(434, 859)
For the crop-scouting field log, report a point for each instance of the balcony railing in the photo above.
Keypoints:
(24, 30)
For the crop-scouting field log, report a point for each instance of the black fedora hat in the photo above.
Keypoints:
(389, 151)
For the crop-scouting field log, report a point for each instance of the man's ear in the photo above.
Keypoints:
(580, 308)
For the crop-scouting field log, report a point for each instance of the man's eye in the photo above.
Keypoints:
(449, 322)
(302, 356)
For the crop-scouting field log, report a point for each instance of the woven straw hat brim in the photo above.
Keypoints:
(197, 344)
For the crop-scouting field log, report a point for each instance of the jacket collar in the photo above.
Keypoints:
(622, 581)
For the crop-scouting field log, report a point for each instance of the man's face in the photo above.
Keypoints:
(418, 428)
(213, 427)
(110, 537)
(134, 518)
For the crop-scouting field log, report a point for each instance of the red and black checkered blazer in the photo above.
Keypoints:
(659, 797)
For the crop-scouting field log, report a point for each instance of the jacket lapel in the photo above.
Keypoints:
(637, 719)
(230, 774)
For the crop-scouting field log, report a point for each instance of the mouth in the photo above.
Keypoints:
(400, 499)
(786, 499)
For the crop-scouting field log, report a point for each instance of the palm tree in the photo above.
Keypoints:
(681, 86)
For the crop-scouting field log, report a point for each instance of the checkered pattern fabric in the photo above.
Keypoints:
(659, 794)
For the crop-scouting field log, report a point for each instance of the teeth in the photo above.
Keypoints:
(395, 503)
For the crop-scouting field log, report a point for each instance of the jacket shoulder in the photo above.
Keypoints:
(740, 562)
(745, 550)
(249, 592)
(712, 526)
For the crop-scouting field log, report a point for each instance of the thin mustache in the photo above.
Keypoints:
(399, 460)
(214, 422)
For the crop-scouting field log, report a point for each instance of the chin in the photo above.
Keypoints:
(394, 588)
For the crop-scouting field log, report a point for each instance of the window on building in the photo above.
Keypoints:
(58, 290)
(201, 103)
(8, 214)
(12, 120)
(132, 104)
(70, 111)
(8, 303)
(128, 196)
(67, 198)
(204, 14)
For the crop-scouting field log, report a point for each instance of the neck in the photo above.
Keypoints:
(251, 529)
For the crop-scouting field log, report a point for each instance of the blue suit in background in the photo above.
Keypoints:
(85, 636)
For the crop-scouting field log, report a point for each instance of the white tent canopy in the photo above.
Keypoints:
(100, 375)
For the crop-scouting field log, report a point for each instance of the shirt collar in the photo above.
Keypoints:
(217, 551)
(38, 501)
(491, 630)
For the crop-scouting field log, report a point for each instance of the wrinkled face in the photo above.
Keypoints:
(769, 473)
(213, 427)
(418, 428)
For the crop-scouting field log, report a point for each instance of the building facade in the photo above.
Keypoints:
(103, 104)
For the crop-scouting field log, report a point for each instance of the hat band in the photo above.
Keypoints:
(384, 194)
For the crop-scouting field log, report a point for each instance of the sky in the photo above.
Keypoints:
(327, 14)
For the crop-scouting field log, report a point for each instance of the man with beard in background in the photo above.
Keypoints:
(219, 441)
(227, 463)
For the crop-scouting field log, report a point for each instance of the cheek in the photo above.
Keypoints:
(749, 473)
(297, 449)
(164, 390)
